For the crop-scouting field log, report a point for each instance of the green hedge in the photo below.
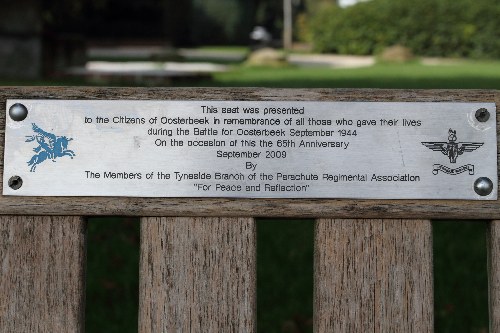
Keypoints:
(459, 28)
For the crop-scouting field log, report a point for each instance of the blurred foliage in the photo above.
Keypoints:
(220, 21)
(190, 22)
(458, 28)
(61, 15)
(302, 31)
(269, 14)
(104, 18)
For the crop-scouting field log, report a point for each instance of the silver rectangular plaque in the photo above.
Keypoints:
(252, 149)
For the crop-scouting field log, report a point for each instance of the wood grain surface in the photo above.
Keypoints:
(197, 275)
(493, 239)
(42, 272)
(308, 208)
(373, 276)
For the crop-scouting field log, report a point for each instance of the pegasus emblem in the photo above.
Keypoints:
(452, 148)
(50, 146)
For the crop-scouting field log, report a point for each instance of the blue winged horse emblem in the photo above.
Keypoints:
(50, 147)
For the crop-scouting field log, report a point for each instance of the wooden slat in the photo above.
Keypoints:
(311, 208)
(197, 275)
(493, 239)
(373, 276)
(42, 274)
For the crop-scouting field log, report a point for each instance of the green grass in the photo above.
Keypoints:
(470, 75)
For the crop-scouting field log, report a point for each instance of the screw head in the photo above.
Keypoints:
(15, 182)
(18, 112)
(483, 186)
(482, 115)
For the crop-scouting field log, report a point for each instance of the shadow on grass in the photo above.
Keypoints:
(460, 276)
(284, 275)
(112, 275)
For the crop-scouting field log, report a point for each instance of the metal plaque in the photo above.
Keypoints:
(251, 149)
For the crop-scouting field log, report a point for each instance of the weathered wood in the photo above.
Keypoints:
(493, 239)
(42, 274)
(197, 275)
(311, 208)
(373, 276)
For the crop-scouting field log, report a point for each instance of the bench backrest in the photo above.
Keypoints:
(373, 258)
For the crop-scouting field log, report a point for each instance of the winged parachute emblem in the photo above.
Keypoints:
(453, 149)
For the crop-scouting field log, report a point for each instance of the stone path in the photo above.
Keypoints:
(158, 72)
(331, 60)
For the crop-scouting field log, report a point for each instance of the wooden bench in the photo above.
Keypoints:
(373, 258)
